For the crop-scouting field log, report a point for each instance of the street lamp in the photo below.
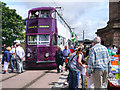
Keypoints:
(83, 36)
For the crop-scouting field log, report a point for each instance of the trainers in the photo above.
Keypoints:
(18, 72)
(11, 71)
(65, 83)
(5, 73)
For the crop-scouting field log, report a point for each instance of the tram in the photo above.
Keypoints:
(45, 30)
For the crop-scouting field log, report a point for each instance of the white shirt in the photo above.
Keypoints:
(20, 52)
(13, 51)
(83, 70)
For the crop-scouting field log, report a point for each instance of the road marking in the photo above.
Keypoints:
(10, 77)
(33, 81)
(61, 81)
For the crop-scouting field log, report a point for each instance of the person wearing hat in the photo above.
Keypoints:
(19, 57)
(6, 60)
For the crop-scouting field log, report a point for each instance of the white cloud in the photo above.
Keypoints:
(87, 16)
(60, 0)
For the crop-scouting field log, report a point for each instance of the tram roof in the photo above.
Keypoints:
(43, 8)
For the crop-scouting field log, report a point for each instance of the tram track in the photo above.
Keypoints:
(33, 81)
(10, 77)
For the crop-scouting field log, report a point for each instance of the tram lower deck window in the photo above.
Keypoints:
(44, 39)
(32, 39)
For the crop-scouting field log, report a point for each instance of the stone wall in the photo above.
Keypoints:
(111, 33)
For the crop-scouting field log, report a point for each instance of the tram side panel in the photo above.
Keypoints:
(64, 35)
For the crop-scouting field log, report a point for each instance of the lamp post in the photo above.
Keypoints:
(83, 36)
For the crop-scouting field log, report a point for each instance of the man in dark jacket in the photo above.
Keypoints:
(59, 59)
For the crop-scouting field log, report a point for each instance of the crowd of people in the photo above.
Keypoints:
(90, 61)
(12, 56)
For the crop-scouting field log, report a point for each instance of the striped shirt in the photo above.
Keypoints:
(75, 66)
(98, 58)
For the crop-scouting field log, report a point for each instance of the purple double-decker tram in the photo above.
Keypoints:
(42, 37)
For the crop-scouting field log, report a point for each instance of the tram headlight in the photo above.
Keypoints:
(28, 55)
(47, 55)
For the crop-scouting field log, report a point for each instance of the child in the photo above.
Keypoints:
(90, 83)
(83, 73)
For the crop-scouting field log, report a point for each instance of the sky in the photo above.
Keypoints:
(87, 15)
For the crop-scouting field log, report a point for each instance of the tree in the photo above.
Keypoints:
(0, 27)
(12, 25)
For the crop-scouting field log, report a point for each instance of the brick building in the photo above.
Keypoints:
(111, 33)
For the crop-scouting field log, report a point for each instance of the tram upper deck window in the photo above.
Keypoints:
(32, 39)
(44, 13)
(34, 14)
(44, 39)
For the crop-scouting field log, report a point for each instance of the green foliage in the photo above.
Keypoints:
(0, 27)
(12, 25)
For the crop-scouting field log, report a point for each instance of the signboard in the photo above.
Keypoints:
(44, 26)
(32, 27)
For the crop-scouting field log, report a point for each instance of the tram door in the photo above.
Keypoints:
(32, 48)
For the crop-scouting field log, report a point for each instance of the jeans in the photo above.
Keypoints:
(20, 66)
(73, 80)
(65, 59)
(13, 61)
(83, 80)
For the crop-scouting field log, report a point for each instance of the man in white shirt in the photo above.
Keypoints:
(19, 57)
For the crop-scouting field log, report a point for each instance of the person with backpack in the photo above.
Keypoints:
(75, 67)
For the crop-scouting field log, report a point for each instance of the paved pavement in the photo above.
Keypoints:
(35, 79)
